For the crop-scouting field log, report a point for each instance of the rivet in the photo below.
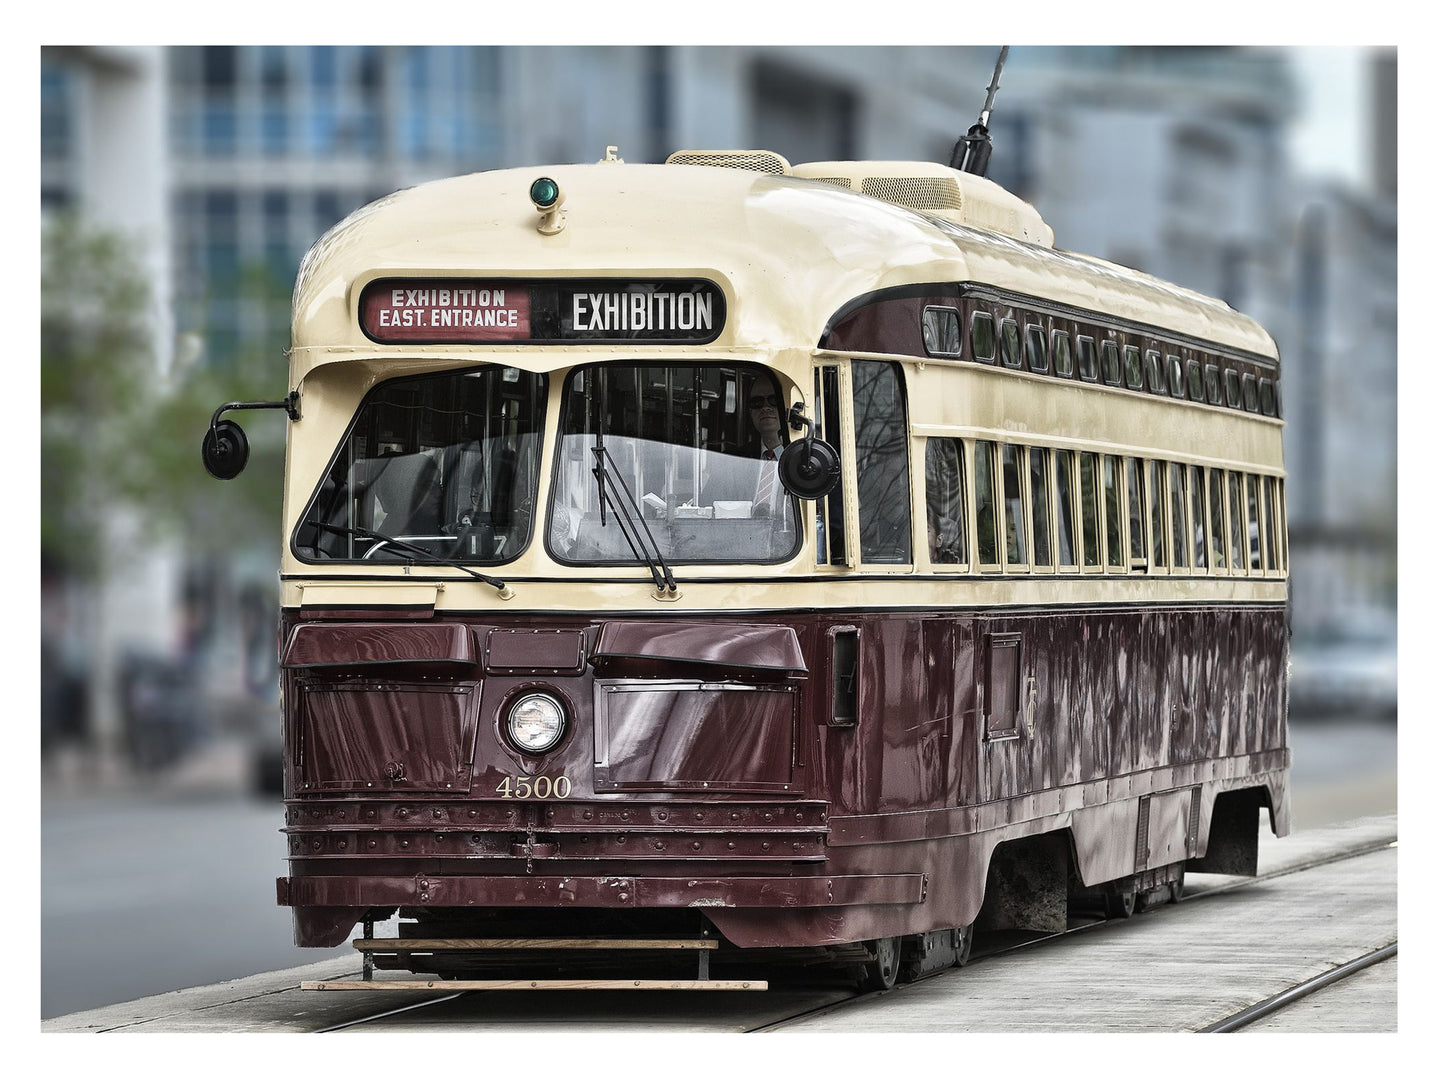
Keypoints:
(731, 845)
(621, 839)
(371, 844)
(476, 839)
(341, 846)
(800, 818)
(472, 813)
(622, 895)
(697, 816)
(316, 844)
(735, 816)
(582, 839)
(765, 846)
(697, 846)
(405, 844)
(662, 815)
(436, 814)
(658, 845)
(767, 816)
(587, 814)
(440, 837)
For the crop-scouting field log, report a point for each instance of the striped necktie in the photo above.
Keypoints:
(767, 482)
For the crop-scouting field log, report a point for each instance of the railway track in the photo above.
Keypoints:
(1235, 1022)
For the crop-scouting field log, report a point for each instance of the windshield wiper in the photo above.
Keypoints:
(357, 532)
(609, 476)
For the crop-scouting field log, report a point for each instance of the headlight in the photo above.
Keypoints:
(536, 723)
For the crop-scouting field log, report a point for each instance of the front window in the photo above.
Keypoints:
(695, 447)
(445, 463)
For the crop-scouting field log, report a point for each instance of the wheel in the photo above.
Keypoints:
(881, 972)
(1118, 903)
(962, 944)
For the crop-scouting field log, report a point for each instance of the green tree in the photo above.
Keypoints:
(116, 431)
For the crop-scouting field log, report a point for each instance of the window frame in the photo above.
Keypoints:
(1049, 514)
(1251, 392)
(953, 314)
(1004, 325)
(1058, 336)
(1131, 563)
(1270, 410)
(980, 317)
(1115, 463)
(1025, 531)
(1131, 349)
(1185, 537)
(1109, 348)
(1154, 472)
(1098, 502)
(964, 563)
(1043, 348)
(1071, 469)
(1199, 555)
(1213, 391)
(1175, 375)
(1195, 377)
(975, 536)
(1233, 397)
(1154, 373)
(1085, 348)
(850, 466)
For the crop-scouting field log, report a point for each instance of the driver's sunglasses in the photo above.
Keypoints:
(757, 401)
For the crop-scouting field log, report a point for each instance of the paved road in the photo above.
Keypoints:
(145, 892)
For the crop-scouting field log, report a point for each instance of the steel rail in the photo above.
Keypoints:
(849, 999)
(1260, 1009)
(1034, 942)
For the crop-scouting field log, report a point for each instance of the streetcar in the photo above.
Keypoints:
(761, 561)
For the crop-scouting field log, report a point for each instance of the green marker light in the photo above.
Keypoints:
(544, 192)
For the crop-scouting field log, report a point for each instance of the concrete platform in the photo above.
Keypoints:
(1174, 968)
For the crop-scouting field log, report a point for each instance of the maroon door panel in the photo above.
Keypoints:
(385, 736)
(688, 735)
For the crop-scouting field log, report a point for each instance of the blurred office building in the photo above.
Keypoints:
(223, 164)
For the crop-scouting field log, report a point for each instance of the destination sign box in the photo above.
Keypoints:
(466, 311)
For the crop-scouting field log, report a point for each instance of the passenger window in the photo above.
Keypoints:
(941, 334)
(982, 336)
(1236, 522)
(1113, 483)
(1039, 502)
(1251, 393)
(1038, 356)
(1001, 706)
(1015, 538)
(1133, 370)
(1064, 476)
(1089, 506)
(1197, 507)
(829, 518)
(1271, 538)
(1088, 362)
(1155, 371)
(943, 483)
(1266, 396)
(984, 513)
(1009, 342)
(1156, 512)
(1212, 391)
(1196, 381)
(1110, 350)
(1063, 360)
(1179, 515)
(1176, 376)
(1256, 541)
(1216, 519)
(1137, 558)
(1231, 387)
(880, 428)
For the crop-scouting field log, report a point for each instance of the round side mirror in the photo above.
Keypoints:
(224, 450)
(809, 469)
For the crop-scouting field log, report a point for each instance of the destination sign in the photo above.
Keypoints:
(465, 311)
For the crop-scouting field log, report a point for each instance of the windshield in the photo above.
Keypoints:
(695, 445)
(446, 462)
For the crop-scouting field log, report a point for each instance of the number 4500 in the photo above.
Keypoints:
(542, 786)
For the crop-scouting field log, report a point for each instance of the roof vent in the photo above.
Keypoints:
(938, 190)
(757, 161)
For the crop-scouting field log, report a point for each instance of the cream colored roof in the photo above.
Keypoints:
(788, 253)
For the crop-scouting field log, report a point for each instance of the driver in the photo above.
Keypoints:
(765, 416)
